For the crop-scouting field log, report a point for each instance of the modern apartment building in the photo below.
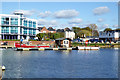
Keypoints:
(17, 26)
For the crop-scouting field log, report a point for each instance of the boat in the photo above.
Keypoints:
(18, 45)
(88, 48)
(3, 67)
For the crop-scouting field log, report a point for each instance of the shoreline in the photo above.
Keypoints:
(101, 45)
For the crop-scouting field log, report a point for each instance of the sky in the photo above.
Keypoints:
(67, 14)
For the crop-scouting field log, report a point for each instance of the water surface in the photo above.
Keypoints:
(60, 64)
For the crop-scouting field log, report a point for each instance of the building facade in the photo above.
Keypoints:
(17, 26)
(63, 42)
(69, 34)
(111, 35)
(45, 30)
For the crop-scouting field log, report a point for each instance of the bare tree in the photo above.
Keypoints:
(93, 27)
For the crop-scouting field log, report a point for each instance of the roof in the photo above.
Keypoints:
(40, 28)
(60, 30)
(67, 29)
(51, 29)
(63, 38)
(18, 12)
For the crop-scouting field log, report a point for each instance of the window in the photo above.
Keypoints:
(20, 30)
(20, 15)
(34, 31)
(21, 21)
(30, 31)
(14, 30)
(5, 21)
(14, 21)
(109, 34)
(44, 31)
(65, 42)
(30, 23)
(25, 23)
(34, 24)
(25, 30)
(5, 29)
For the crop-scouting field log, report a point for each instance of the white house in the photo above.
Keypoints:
(69, 34)
(112, 35)
(16, 26)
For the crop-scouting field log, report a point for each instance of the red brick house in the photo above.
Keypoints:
(45, 30)
(51, 30)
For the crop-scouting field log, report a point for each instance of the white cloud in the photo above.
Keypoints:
(115, 26)
(42, 21)
(105, 25)
(100, 20)
(44, 14)
(46, 22)
(75, 21)
(53, 22)
(101, 10)
(66, 14)
(26, 12)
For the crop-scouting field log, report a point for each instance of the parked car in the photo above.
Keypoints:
(114, 41)
(4, 43)
(94, 40)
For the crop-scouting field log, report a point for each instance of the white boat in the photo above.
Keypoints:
(88, 48)
(81, 48)
(3, 67)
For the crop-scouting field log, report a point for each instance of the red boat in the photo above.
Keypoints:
(18, 45)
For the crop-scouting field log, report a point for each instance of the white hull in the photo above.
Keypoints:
(88, 48)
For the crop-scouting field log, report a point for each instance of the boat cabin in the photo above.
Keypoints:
(63, 42)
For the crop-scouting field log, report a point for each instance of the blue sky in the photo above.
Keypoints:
(67, 14)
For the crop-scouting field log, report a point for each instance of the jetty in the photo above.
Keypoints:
(42, 49)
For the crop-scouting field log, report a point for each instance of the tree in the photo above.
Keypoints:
(117, 29)
(93, 27)
(76, 30)
(61, 34)
(95, 33)
(40, 36)
(56, 35)
(84, 33)
(107, 29)
(87, 28)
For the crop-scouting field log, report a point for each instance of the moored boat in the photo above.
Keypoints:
(18, 45)
(88, 48)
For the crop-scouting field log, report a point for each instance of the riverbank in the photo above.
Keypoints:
(11, 43)
(101, 45)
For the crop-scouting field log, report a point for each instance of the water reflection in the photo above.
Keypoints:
(67, 52)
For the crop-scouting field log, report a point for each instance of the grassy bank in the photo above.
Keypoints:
(10, 40)
(97, 44)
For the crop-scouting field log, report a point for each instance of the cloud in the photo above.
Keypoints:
(44, 14)
(75, 21)
(66, 14)
(46, 22)
(100, 20)
(115, 26)
(103, 26)
(101, 10)
(26, 12)
(42, 21)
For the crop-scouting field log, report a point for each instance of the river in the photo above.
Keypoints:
(102, 63)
